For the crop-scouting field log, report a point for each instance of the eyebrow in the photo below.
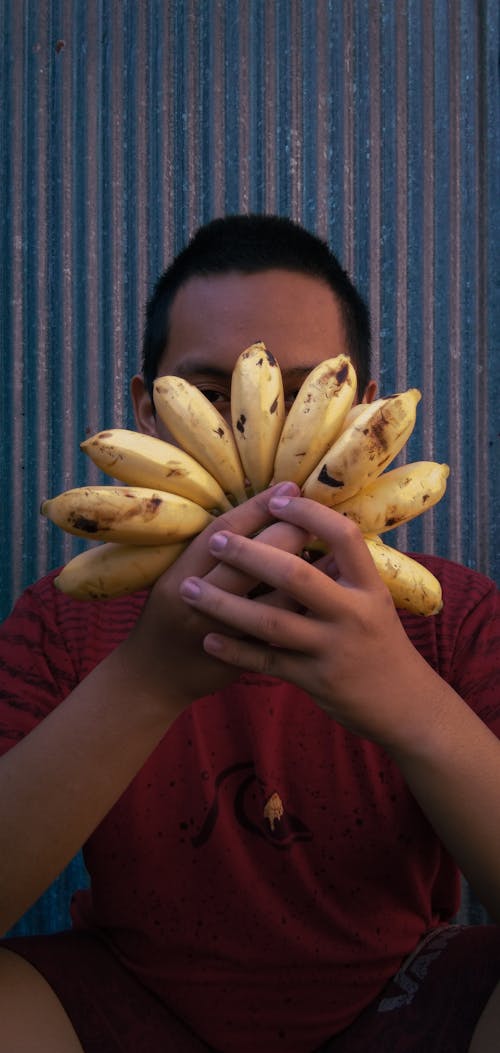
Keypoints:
(187, 368)
(192, 366)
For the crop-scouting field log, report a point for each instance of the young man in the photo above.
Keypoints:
(275, 797)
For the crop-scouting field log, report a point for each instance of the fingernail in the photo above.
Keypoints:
(190, 589)
(212, 643)
(288, 488)
(218, 542)
(279, 502)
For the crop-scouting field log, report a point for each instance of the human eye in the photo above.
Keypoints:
(217, 394)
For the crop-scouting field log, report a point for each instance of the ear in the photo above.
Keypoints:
(144, 413)
(370, 391)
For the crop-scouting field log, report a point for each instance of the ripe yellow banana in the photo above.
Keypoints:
(143, 460)
(202, 431)
(396, 496)
(364, 449)
(110, 569)
(315, 418)
(257, 412)
(355, 411)
(131, 514)
(412, 586)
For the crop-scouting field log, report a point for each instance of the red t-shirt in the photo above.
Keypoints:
(266, 871)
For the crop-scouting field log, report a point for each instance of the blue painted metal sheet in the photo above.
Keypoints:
(126, 124)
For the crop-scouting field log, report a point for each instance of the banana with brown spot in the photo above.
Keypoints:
(201, 431)
(257, 412)
(143, 460)
(364, 449)
(396, 497)
(315, 418)
(132, 515)
(411, 585)
(111, 569)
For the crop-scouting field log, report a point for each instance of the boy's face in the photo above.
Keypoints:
(214, 319)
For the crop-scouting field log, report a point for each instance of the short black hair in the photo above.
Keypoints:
(250, 244)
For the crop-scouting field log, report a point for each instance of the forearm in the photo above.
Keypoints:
(59, 782)
(452, 766)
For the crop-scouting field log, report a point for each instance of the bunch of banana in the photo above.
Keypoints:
(336, 451)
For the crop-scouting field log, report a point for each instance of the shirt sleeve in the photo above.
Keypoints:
(36, 668)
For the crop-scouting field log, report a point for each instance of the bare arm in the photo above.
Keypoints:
(348, 649)
(59, 782)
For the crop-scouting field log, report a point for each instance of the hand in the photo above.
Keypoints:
(331, 627)
(164, 652)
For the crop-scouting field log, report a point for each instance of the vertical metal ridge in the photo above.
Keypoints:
(296, 138)
(270, 109)
(163, 175)
(134, 269)
(401, 238)
(216, 75)
(455, 264)
(482, 471)
(324, 119)
(375, 186)
(192, 115)
(335, 187)
(427, 443)
(244, 114)
(87, 135)
(14, 365)
(37, 388)
(401, 159)
(113, 146)
(348, 139)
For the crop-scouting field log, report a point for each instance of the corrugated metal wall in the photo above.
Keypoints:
(126, 123)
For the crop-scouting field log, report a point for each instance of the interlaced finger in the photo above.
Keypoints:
(280, 628)
(280, 536)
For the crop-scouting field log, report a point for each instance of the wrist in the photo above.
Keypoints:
(140, 687)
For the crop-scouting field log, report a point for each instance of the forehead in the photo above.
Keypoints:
(214, 318)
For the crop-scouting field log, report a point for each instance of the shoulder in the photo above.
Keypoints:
(462, 642)
(467, 595)
(44, 595)
(456, 579)
(46, 616)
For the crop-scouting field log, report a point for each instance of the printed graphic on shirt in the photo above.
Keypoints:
(264, 817)
(273, 810)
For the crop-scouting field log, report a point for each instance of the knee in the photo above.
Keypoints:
(487, 1031)
(33, 1018)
